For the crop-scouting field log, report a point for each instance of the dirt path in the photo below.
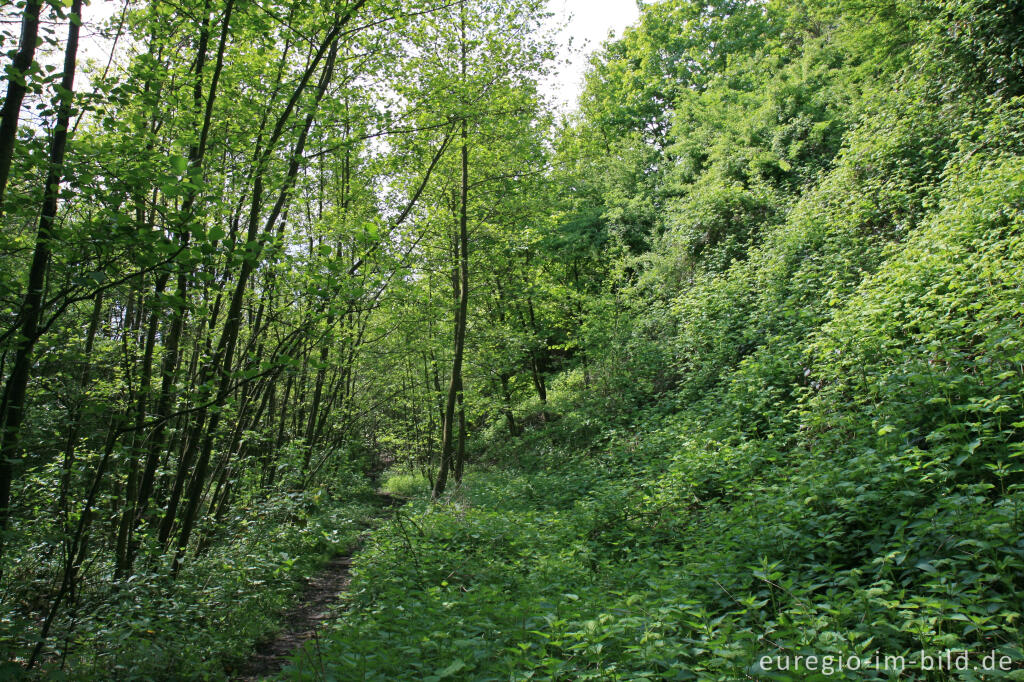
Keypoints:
(302, 622)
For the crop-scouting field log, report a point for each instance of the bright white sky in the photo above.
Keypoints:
(589, 23)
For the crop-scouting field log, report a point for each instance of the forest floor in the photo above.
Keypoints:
(302, 622)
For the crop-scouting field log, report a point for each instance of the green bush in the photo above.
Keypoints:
(406, 484)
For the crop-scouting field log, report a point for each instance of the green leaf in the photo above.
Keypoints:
(179, 164)
(457, 665)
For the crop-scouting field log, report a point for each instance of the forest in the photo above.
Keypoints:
(716, 374)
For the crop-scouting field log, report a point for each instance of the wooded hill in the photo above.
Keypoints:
(726, 364)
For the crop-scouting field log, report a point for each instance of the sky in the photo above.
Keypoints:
(585, 25)
(589, 23)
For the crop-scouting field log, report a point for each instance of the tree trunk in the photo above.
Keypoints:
(71, 442)
(12, 409)
(455, 383)
(220, 367)
(460, 450)
(145, 488)
(16, 90)
(173, 344)
(506, 395)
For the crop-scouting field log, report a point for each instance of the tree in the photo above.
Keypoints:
(17, 85)
(12, 405)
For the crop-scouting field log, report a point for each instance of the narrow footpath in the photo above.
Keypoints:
(304, 621)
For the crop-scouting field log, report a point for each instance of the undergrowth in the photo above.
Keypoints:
(205, 622)
(843, 479)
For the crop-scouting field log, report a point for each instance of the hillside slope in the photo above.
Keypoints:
(835, 469)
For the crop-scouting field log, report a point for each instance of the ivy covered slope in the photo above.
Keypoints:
(794, 422)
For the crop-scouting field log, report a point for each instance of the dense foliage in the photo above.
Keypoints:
(727, 364)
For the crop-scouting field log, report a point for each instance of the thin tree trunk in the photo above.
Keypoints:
(224, 355)
(279, 441)
(506, 395)
(314, 410)
(16, 89)
(134, 515)
(460, 450)
(75, 418)
(12, 409)
(78, 547)
(173, 345)
(455, 383)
